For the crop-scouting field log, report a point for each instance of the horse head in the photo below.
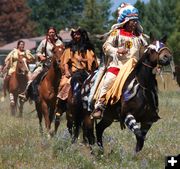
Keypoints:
(58, 51)
(159, 53)
(22, 66)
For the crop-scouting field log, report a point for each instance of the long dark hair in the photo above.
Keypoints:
(84, 43)
(57, 36)
(18, 43)
(54, 29)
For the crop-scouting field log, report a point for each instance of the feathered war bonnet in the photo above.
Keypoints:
(126, 12)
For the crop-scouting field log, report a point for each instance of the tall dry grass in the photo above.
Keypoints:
(22, 147)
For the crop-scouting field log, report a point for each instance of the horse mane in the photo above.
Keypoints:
(142, 59)
(138, 66)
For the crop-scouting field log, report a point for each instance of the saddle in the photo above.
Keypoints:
(32, 91)
(74, 83)
(64, 92)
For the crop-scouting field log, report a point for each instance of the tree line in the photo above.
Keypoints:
(29, 18)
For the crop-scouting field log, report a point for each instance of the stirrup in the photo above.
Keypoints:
(23, 97)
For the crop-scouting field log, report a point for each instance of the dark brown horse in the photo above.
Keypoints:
(74, 112)
(16, 84)
(73, 104)
(48, 89)
(139, 101)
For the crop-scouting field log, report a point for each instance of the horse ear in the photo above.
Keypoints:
(152, 38)
(164, 39)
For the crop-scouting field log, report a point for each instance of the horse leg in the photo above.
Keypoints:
(69, 123)
(76, 127)
(140, 141)
(73, 122)
(51, 117)
(12, 104)
(21, 104)
(39, 113)
(59, 109)
(57, 122)
(6, 84)
(88, 130)
(100, 127)
(45, 112)
(131, 123)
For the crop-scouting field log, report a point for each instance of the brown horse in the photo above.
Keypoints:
(139, 101)
(48, 89)
(74, 111)
(73, 104)
(16, 84)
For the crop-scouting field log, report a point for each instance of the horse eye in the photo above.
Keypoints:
(59, 61)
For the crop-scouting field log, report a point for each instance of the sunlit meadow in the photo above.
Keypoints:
(22, 147)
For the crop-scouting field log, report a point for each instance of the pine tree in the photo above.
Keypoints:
(57, 13)
(174, 39)
(95, 19)
(168, 16)
(152, 20)
(140, 5)
(14, 21)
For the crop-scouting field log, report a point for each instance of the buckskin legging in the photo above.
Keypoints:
(107, 84)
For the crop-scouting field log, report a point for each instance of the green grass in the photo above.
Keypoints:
(22, 147)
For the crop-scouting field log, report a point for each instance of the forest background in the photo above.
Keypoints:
(30, 18)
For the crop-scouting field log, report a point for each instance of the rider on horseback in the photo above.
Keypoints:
(43, 54)
(78, 59)
(79, 55)
(123, 43)
(12, 58)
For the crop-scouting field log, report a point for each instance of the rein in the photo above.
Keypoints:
(149, 66)
(158, 51)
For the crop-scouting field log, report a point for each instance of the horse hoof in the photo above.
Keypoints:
(51, 133)
(139, 144)
(48, 136)
(74, 140)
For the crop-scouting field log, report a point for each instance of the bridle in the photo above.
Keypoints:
(22, 72)
(158, 47)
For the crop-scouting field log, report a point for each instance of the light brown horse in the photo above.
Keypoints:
(16, 84)
(48, 89)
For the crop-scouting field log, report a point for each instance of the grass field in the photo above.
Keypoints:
(22, 147)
